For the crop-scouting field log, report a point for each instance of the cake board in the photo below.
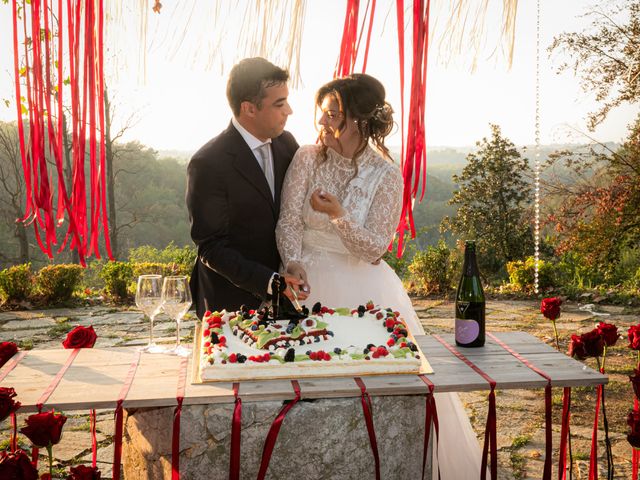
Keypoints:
(313, 371)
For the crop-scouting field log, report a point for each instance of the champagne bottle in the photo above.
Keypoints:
(470, 305)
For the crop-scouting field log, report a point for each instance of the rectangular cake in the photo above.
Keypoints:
(245, 345)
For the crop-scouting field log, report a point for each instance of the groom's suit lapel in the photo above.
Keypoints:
(244, 161)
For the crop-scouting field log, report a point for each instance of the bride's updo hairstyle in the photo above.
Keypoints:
(362, 100)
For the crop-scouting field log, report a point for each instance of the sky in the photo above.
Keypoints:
(180, 103)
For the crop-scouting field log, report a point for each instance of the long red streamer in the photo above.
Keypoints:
(117, 438)
(236, 423)
(490, 437)
(367, 408)
(272, 436)
(11, 364)
(564, 433)
(42, 20)
(175, 440)
(546, 474)
(431, 418)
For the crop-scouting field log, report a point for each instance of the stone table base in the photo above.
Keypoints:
(324, 438)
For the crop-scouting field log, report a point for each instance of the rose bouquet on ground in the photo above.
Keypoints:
(633, 419)
(594, 344)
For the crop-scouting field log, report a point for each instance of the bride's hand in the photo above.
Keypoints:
(328, 203)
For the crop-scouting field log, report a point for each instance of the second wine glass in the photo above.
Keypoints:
(176, 300)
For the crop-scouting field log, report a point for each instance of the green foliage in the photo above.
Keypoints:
(117, 276)
(57, 283)
(153, 268)
(522, 274)
(183, 258)
(433, 269)
(492, 199)
(627, 267)
(16, 283)
(574, 271)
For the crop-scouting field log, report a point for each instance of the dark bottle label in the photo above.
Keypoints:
(470, 323)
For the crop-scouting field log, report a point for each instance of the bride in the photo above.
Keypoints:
(341, 202)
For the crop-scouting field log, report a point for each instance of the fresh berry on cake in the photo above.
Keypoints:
(247, 344)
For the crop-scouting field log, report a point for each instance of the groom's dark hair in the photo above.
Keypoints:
(248, 80)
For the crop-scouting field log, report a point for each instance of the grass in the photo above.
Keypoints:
(61, 328)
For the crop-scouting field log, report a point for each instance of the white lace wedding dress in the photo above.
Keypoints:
(338, 257)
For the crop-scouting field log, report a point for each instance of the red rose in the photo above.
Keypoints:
(609, 333)
(550, 307)
(44, 429)
(17, 465)
(635, 381)
(7, 350)
(45, 476)
(633, 420)
(634, 337)
(593, 343)
(590, 344)
(576, 347)
(82, 472)
(7, 404)
(80, 337)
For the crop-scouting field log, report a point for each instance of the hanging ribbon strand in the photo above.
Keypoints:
(43, 22)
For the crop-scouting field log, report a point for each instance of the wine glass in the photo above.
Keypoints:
(149, 300)
(176, 300)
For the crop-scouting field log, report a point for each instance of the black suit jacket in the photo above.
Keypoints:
(233, 219)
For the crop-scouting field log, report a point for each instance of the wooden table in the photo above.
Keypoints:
(95, 377)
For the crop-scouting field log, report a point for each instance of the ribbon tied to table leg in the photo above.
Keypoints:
(175, 438)
(490, 438)
(272, 436)
(431, 418)
(236, 423)
(367, 408)
(546, 473)
(117, 438)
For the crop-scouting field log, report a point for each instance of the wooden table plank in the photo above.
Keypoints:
(95, 378)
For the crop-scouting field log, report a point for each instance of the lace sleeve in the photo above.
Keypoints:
(369, 242)
(294, 190)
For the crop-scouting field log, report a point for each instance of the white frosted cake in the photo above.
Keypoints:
(367, 340)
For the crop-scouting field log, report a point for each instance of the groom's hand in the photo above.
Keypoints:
(296, 278)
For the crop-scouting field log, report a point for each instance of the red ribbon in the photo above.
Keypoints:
(546, 475)
(490, 437)
(94, 440)
(635, 453)
(272, 436)
(56, 380)
(11, 364)
(367, 408)
(593, 456)
(431, 417)
(117, 440)
(14, 432)
(236, 423)
(175, 440)
(564, 433)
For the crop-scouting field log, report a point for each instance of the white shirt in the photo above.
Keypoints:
(251, 141)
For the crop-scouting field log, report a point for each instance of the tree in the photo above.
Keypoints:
(596, 214)
(492, 197)
(12, 195)
(605, 55)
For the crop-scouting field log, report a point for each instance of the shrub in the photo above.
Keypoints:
(117, 276)
(627, 267)
(16, 283)
(182, 257)
(153, 268)
(432, 269)
(58, 282)
(522, 274)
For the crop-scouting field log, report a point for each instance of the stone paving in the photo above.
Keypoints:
(520, 413)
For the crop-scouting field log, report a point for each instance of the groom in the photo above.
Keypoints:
(233, 192)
